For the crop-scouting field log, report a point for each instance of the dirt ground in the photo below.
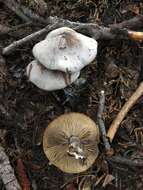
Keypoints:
(26, 110)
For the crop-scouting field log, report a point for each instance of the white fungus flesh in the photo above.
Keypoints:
(65, 50)
(47, 79)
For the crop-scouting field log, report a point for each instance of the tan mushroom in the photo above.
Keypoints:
(71, 142)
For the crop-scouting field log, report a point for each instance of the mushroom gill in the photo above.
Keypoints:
(71, 142)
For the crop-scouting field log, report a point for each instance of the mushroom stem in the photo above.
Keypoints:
(76, 148)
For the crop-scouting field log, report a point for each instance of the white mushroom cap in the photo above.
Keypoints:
(65, 50)
(47, 79)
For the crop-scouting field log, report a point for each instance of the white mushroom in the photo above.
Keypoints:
(65, 50)
(47, 79)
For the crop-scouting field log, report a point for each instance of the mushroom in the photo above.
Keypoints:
(47, 79)
(65, 50)
(71, 142)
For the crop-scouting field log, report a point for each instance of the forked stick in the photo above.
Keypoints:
(123, 112)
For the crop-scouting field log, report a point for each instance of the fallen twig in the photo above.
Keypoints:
(137, 36)
(7, 172)
(7, 50)
(94, 30)
(28, 15)
(123, 112)
(124, 33)
(101, 123)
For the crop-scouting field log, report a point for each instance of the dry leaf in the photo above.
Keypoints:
(70, 186)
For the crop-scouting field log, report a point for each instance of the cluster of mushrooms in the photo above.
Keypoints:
(59, 58)
(70, 141)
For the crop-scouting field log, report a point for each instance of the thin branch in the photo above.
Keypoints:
(124, 33)
(7, 172)
(137, 36)
(93, 30)
(7, 50)
(101, 122)
(123, 112)
(115, 31)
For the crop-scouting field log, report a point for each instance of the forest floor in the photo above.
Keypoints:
(25, 110)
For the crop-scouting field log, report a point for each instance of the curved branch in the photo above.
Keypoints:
(123, 112)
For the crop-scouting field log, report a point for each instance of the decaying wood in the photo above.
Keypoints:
(123, 112)
(101, 122)
(7, 173)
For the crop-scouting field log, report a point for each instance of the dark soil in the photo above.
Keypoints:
(25, 110)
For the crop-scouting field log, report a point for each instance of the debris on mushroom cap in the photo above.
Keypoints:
(65, 50)
(71, 142)
(47, 79)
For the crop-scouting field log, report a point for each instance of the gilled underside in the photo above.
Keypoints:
(71, 145)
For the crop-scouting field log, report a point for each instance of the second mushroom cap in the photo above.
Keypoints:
(47, 79)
